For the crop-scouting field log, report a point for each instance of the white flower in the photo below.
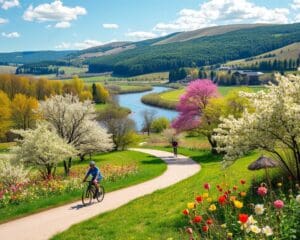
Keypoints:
(251, 220)
(255, 229)
(259, 209)
(267, 231)
(298, 198)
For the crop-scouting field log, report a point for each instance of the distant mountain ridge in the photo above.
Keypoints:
(213, 45)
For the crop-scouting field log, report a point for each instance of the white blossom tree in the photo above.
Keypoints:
(11, 174)
(42, 148)
(273, 126)
(75, 122)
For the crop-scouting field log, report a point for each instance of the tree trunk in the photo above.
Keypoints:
(67, 166)
(213, 144)
(81, 156)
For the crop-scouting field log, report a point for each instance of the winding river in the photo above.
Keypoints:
(133, 102)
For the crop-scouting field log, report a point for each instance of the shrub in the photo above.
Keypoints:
(160, 124)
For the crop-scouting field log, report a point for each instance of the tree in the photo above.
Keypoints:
(5, 113)
(42, 148)
(100, 94)
(148, 118)
(273, 126)
(192, 104)
(75, 122)
(231, 105)
(11, 174)
(160, 124)
(24, 111)
(122, 129)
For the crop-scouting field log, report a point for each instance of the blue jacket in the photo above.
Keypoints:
(95, 173)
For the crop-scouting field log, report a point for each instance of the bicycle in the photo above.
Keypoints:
(90, 193)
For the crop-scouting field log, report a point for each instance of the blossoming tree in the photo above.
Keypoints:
(42, 148)
(273, 126)
(192, 104)
(75, 122)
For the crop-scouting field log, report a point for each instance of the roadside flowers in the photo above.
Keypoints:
(186, 212)
(199, 199)
(243, 181)
(262, 191)
(212, 207)
(243, 194)
(259, 209)
(222, 200)
(278, 204)
(238, 204)
(298, 198)
(206, 186)
(197, 219)
(267, 231)
(205, 228)
(279, 184)
(205, 195)
(254, 229)
(209, 200)
(191, 205)
(209, 221)
(243, 218)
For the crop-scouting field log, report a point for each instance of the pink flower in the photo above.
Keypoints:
(278, 204)
(206, 186)
(262, 191)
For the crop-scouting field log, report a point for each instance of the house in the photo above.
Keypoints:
(248, 76)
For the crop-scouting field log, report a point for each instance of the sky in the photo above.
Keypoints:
(29, 25)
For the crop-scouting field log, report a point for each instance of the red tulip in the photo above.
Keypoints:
(205, 228)
(209, 221)
(199, 199)
(185, 212)
(222, 200)
(197, 219)
(243, 218)
(206, 186)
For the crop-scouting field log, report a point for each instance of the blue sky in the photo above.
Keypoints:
(77, 24)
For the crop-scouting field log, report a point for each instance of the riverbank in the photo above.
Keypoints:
(156, 100)
(125, 89)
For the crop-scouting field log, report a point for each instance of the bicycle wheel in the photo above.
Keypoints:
(100, 195)
(87, 197)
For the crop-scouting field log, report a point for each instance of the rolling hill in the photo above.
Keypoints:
(208, 46)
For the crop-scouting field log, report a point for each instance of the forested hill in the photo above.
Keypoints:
(206, 50)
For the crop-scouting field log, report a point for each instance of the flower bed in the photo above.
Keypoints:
(235, 214)
(36, 188)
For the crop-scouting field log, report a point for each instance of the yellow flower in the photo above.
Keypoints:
(212, 207)
(229, 234)
(238, 204)
(243, 194)
(209, 199)
(279, 184)
(205, 195)
(191, 205)
(223, 225)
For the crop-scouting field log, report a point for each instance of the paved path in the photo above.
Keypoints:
(42, 226)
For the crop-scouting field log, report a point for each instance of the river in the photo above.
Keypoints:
(133, 102)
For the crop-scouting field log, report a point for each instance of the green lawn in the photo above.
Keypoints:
(4, 147)
(158, 216)
(148, 167)
(175, 95)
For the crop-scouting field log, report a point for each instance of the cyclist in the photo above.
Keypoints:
(175, 146)
(96, 176)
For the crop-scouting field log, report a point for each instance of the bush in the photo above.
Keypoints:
(160, 124)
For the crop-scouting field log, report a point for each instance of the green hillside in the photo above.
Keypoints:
(202, 51)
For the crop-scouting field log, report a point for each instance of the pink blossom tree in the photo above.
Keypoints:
(192, 104)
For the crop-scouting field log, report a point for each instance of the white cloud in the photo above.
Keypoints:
(62, 25)
(297, 18)
(215, 12)
(82, 45)
(11, 35)
(139, 35)
(6, 4)
(110, 25)
(53, 12)
(3, 21)
(296, 4)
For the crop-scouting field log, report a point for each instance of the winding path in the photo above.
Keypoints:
(42, 226)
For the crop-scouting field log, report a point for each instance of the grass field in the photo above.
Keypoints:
(158, 216)
(7, 69)
(148, 167)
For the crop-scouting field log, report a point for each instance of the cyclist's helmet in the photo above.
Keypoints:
(92, 163)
